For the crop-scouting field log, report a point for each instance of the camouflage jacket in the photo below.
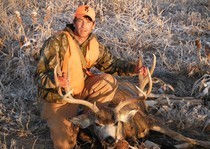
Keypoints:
(44, 75)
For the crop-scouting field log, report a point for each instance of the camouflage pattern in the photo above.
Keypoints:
(44, 76)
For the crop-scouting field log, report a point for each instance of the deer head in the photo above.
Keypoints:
(107, 123)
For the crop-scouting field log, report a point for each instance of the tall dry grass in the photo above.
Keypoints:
(164, 27)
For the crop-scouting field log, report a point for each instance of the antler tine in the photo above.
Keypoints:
(153, 65)
(56, 80)
(68, 98)
(143, 81)
(55, 75)
(141, 92)
(150, 83)
(140, 65)
(140, 62)
(124, 103)
(57, 70)
(149, 89)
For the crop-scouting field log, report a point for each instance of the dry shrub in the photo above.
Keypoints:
(164, 27)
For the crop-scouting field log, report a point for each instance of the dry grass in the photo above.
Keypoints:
(164, 27)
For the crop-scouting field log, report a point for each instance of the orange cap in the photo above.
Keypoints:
(85, 10)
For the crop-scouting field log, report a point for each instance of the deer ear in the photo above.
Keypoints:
(83, 121)
(128, 116)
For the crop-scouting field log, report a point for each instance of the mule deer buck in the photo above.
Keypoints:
(129, 120)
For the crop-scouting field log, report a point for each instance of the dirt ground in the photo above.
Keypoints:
(39, 138)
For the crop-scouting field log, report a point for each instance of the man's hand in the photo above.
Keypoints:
(63, 80)
(141, 71)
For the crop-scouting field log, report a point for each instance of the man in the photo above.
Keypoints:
(75, 50)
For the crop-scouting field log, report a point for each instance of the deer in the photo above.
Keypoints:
(127, 120)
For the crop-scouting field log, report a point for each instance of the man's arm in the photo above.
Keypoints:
(108, 63)
(44, 77)
(51, 54)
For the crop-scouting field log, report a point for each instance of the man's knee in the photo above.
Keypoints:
(64, 145)
(64, 136)
(105, 89)
(110, 81)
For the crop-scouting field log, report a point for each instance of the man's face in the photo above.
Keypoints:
(83, 27)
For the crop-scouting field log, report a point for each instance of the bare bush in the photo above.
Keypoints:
(166, 28)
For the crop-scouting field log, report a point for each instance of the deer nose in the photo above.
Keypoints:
(110, 140)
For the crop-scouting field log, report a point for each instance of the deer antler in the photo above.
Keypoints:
(68, 98)
(143, 80)
(141, 90)
(124, 103)
(57, 70)
(144, 96)
(56, 80)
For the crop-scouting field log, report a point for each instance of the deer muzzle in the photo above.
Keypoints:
(107, 134)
